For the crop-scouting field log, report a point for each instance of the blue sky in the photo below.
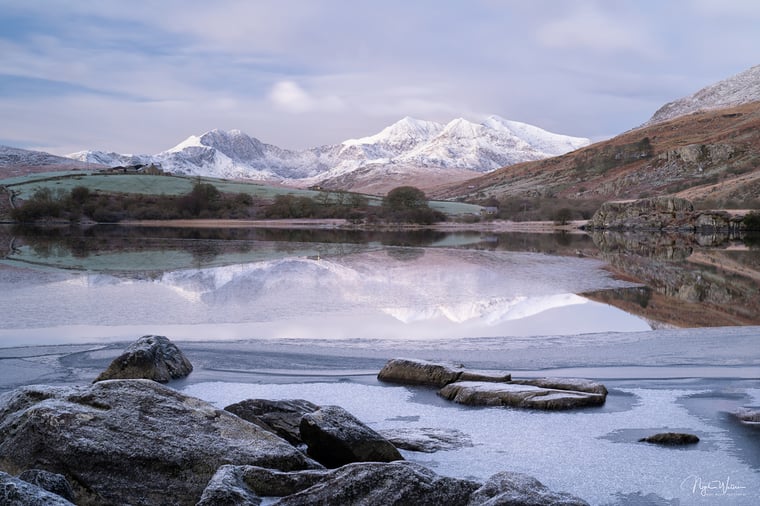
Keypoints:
(140, 76)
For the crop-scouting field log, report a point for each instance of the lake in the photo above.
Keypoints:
(668, 323)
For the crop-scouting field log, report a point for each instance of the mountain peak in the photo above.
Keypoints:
(738, 89)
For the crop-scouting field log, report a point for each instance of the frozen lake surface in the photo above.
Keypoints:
(318, 321)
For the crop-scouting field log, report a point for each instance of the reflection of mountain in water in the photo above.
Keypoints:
(691, 284)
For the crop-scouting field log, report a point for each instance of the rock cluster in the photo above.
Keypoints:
(488, 389)
(137, 442)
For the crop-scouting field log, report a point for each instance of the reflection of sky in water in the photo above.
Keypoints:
(441, 293)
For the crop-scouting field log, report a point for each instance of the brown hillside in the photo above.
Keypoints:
(707, 156)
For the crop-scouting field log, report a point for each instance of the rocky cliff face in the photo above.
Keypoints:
(663, 213)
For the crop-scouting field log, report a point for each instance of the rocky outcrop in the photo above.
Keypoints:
(18, 492)
(659, 213)
(150, 357)
(426, 439)
(335, 437)
(671, 439)
(573, 384)
(517, 489)
(377, 484)
(664, 214)
(281, 417)
(129, 441)
(475, 393)
(422, 372)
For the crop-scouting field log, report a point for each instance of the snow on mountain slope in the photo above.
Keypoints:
(110, 159)
(739, 89)
(407, 144)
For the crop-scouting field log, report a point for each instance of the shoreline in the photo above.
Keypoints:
(537, 227)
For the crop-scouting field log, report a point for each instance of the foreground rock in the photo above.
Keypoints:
(376, 484)
(150, 357)
(474, 393)
(131, 441)
(426, 439)
(422, 372)
(671, 439)
(368, 484)
(335, 437)
(17, 492)
(516, 489)
(52, 482)
(281, 417)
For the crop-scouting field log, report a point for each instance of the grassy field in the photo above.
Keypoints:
(24, 187)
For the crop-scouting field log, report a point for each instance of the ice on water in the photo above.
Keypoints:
(570, 451)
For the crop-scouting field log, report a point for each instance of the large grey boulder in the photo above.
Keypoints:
(282, 417)
(517, 489)
(150, 357)
(335, 437)
(17, 492)
(131, 441)
(656, 213)
(422, 372)
(368, 484)
(476, 393)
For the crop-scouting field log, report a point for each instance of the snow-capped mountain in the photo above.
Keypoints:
(409, 144)
(739, 89)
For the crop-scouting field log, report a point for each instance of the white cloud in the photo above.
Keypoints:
(290, 97)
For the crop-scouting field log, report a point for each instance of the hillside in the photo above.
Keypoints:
(707, 156)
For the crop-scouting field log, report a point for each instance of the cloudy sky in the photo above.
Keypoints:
(138, 76)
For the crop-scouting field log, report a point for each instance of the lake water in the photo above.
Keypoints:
(315, 313)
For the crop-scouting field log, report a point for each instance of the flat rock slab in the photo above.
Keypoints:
(426, 439)
(749, 417)
(477, 393)
(131, 441)
(422, 372)
(574, 384)
(150, 357)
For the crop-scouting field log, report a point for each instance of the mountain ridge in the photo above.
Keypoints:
(460, 146)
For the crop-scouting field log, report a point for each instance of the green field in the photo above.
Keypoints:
(24, 187)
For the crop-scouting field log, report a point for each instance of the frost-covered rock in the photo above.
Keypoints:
(422, 372)
(749, 416)
(426, 439)
(575, 384)
(282, 417)
(150, 357)
(368, 484)
(517, 489)
(131, 441)
(335, 437)
(478, 393)
(18, 492)
(52, 482)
